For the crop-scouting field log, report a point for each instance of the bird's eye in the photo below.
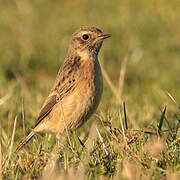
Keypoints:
(85, 37)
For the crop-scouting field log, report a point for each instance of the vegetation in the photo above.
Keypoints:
(138, 139)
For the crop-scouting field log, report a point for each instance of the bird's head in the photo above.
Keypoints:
(87, 41)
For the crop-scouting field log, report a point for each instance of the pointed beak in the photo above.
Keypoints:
(104, 36)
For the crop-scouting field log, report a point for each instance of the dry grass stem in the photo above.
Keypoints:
(111, 85)
(101, 139)
(23, 117)
(122, 76)
(4, 99)
(12, 140)
(172, 98)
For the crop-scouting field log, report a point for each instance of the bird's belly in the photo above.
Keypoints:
(82, 103)
(75, 108)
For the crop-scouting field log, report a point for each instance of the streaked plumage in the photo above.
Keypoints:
(78, 87)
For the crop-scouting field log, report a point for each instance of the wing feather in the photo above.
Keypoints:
(47, 107)
(64, 84)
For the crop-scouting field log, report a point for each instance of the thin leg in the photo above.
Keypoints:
(59, 145)
(82, 144)
(76, 137)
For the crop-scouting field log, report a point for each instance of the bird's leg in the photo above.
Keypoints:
(58, 139)
(82, 144)
(59, 145)
(76, 137)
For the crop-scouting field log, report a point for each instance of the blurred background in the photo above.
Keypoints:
(34, 37)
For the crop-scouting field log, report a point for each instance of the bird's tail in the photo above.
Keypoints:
(23, 143)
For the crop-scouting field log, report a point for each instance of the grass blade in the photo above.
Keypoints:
(125, 115)
(161, 121)
(122, 126)
(172, 99)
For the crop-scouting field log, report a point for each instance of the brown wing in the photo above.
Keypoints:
(64, 84)
(47, 107)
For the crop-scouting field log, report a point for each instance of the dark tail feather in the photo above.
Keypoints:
(28, 138)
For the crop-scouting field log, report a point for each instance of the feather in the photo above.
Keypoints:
(23, 143)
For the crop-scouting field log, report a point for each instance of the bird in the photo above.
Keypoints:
(77, 89)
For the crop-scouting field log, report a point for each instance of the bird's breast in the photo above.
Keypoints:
(90, 87)
(91, 81)
(75, 108)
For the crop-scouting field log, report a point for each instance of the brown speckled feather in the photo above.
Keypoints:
(78, 87)
(64, 84)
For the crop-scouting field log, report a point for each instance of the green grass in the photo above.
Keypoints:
(34, 37)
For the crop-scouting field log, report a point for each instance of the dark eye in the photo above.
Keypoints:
(85, 37)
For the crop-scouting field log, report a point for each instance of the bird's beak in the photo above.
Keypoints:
(104, 36)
